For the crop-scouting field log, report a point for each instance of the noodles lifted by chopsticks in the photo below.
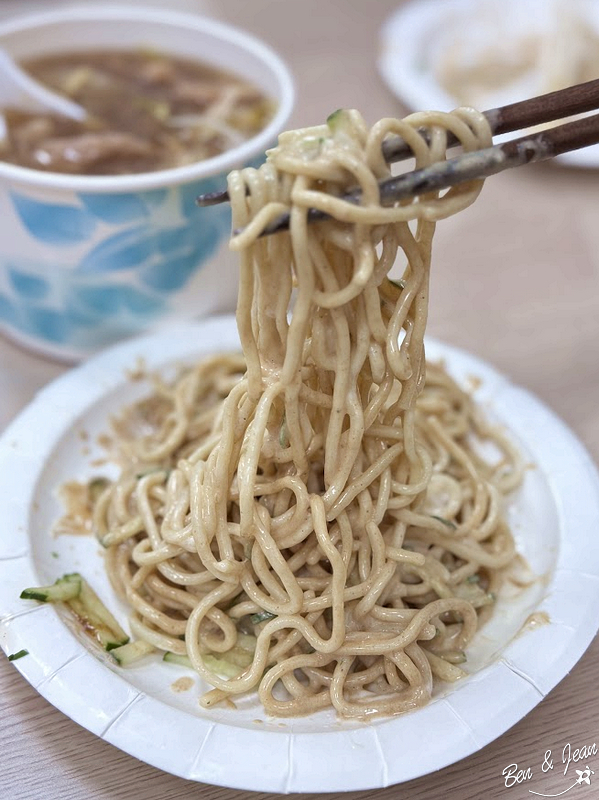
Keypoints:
(316, 514)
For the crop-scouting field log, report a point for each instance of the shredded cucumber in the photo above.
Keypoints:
(16, 656)
(262, 616)
(99, 615)
(229, 664)
(446, 522)
(129, 653)
(474, 594)
(222, 666)
(175, 658)
(78, 595)
(61, 590)
(337, 120)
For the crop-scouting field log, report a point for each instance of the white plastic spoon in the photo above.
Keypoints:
(19, 90)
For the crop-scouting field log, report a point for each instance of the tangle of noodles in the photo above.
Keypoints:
(315, 517)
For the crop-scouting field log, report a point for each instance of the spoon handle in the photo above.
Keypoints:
(19, 90)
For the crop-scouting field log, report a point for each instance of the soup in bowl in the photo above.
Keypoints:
(145, 111)
(101, 234)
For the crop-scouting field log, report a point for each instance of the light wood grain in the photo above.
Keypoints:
(516, 281)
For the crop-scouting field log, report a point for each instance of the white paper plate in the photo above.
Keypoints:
(415, 38)
(554, 518)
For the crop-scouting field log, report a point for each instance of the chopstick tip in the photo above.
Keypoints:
(212, 198)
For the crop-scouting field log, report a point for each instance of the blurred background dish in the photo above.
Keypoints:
(445, 53)
(87, 259)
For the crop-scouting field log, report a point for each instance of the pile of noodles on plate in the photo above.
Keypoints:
(312, 519)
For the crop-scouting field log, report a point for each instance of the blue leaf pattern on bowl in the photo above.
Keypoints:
(8, 313)
(82, 321)
(116, 209)
(171, 240)
(154, 198)
(121, 251)
(173, 275)
(112, 299)
(189, 194)
(53, 223)
(26, 285)
(138, 250)
(47, 323)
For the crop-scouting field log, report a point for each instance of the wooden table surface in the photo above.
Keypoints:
(515, 281)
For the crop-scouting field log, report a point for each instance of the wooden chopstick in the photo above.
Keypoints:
(472, 166)
(539, 146)
(517, 116)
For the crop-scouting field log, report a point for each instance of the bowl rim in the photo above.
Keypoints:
(166, 177)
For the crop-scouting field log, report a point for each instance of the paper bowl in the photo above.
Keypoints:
(88, 260)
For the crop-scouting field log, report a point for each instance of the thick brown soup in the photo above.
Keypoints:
(146, 111)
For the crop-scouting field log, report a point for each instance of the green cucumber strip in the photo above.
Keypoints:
(473, 593)
(261, 616)
(108, 638)
(73, 590)
(129, 653)
(98, 611)
(61, 590)
(225, 664)
(175, 658)
(222, 666)
(336, 119)
(16, 656)
(454, 656)
(447, 522)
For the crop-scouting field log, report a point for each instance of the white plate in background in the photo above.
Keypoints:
(554, 518)
(422, 36)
